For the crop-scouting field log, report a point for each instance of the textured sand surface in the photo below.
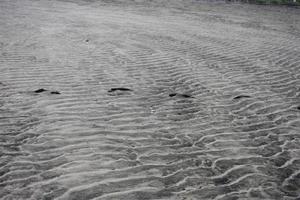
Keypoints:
(237, 138)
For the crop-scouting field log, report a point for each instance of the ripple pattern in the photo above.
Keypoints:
(88, 143)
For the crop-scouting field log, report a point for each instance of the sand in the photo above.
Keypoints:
(210, 110)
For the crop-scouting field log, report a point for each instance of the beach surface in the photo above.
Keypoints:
(134, 100)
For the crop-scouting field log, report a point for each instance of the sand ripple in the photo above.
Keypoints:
(237, 137)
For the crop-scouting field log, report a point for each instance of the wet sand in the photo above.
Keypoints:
(211, 109)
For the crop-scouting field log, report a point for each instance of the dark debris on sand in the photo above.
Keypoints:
(242, 96)
(120, 89)
(54, 92)
(40, 90)
(44, 90)
(180, 95)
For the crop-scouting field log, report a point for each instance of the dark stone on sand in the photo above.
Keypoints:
(40, 90)
(119, 89)
(54, 92)
(180, 95)
(87, 40)
(298, 107)
(242, 96)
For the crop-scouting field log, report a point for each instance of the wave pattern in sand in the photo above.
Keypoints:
(237, 137)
